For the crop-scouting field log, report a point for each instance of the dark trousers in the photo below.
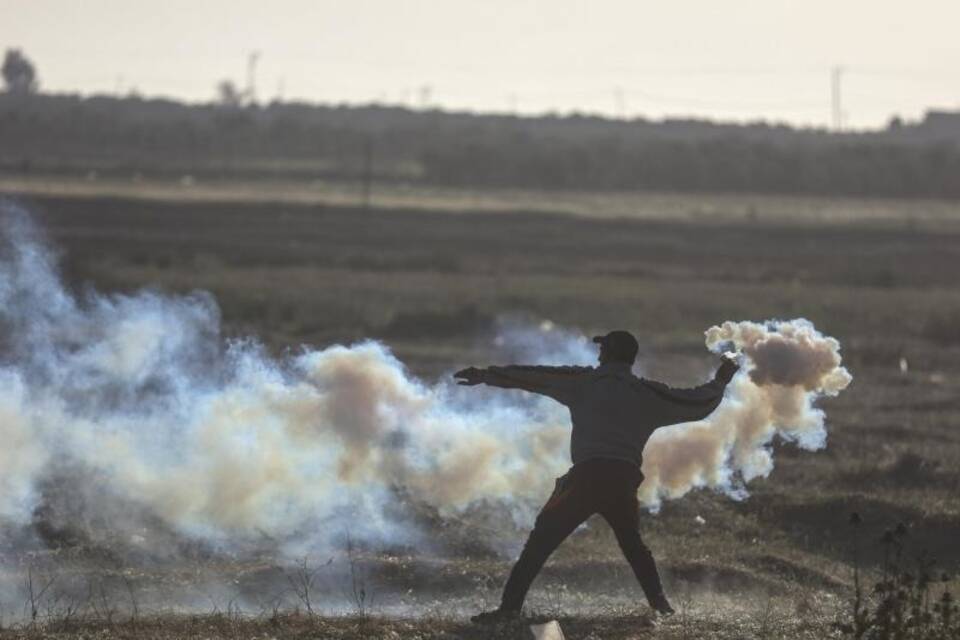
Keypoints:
(601, 485)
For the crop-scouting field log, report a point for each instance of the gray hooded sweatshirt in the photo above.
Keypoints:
(613, 412)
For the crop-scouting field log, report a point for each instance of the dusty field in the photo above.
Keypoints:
(434, 286)
(764, 622)
(699, 208)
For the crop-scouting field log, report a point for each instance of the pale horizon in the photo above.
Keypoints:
(757, 60)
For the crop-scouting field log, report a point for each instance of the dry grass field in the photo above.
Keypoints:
(435, 286)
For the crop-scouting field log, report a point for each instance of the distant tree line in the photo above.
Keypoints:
(132, 136)
(729, 164)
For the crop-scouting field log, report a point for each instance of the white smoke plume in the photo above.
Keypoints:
(138, 411)
(787, 366)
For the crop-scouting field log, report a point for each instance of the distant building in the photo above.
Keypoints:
(944, 124)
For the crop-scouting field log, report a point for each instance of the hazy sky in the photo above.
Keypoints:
(732, 59)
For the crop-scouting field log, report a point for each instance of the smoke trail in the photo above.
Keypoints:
(788, 365)
(130, 420)
(128, 415)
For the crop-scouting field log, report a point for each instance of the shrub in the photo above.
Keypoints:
(903, 603)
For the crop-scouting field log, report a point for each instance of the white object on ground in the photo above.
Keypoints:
(548, 631)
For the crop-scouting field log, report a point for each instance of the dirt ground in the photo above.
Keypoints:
(435, 286)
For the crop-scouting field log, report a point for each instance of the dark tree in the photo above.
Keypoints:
(228, 95)
(19, 75)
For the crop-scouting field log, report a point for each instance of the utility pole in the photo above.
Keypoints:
(367, 172)
(425, 93)
(836, 77)
(620, 99)
(252, 59)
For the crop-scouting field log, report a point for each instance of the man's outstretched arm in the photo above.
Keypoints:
(695, 403)
(556, 382)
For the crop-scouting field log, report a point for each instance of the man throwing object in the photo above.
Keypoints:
(613, 414)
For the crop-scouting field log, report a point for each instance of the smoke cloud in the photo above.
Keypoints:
(127, 416)
(787, 366)
(129, 419)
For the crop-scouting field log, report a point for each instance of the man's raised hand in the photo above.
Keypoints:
(728, 367)
(470, 376)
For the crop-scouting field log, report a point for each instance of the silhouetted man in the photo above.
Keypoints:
(613, 414)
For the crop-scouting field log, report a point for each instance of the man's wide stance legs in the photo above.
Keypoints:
(608, 487)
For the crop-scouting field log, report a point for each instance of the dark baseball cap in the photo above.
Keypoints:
(620, 344)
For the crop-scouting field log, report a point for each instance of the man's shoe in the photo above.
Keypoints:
(661, 605)
(495, 616)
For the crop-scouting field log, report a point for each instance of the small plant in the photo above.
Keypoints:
(902, 604)
(36, 590)
(100, 602)
(302, 580)
(361, 598)
(271, 609)
(766, 618)
(684, 606)
(131, 594)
